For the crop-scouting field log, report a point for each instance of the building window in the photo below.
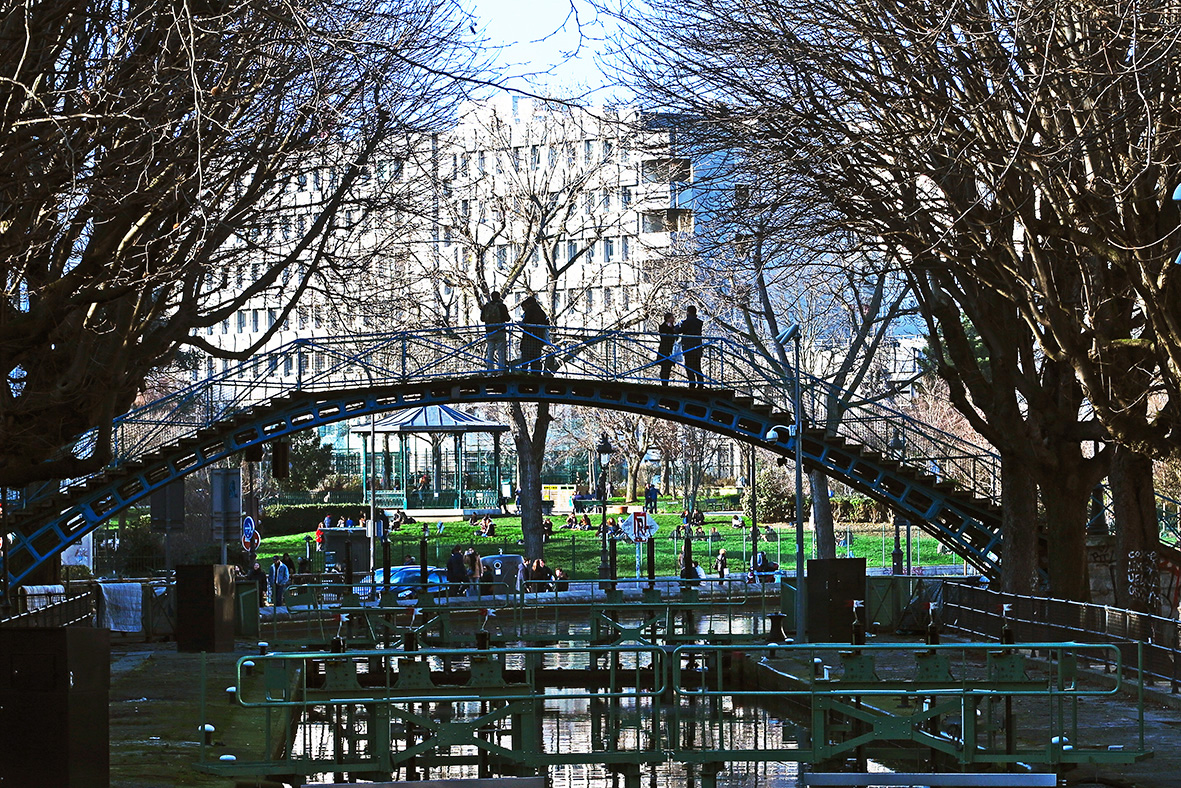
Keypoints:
(571, 251)
(608, 250)
(625, 196)
(481, 162)
(606, 298)
(272, 317)
(590, 299)
(623, 248)
(502, 257)
(674, 170)
(254, 320)
(241, 320)
(588, 151)
(608, 149)
(287, 365)
(606, 199)
(535, 157)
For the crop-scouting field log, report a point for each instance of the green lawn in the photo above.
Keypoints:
(578, 551)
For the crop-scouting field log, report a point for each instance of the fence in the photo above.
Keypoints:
(52, 606)
(980, 612)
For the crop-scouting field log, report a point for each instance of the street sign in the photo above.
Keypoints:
(251, 538)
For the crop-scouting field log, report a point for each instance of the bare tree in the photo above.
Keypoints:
(150, 152)
(534, 207)
(1015, 169)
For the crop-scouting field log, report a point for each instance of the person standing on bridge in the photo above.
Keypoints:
(664, 351)
(690, 331)
(535, 334)
(496, 317)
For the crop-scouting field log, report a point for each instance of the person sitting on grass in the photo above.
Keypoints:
(697, 518)
(699, 533)
(585, 524)
(571, 522)
(714, 533)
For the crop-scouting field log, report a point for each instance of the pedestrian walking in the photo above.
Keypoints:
(690, 331)
(495, 316)
(278, 577)
(720, 564)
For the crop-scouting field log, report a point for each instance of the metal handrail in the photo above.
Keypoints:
(373, 361)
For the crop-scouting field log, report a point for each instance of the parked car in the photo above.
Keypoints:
(405, 581)
(500, 573)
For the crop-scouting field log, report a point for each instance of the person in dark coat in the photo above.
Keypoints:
(495, 316)
(664, 351)
(456, 572)
(690, 331)
(534, 336)
(259, 576)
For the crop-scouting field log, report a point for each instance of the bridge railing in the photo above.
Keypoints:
(367, 362)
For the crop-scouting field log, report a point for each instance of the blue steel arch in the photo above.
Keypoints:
(879, 452)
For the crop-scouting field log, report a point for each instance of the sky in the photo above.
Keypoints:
(543, 36)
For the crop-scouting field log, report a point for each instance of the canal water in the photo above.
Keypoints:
(576, 721)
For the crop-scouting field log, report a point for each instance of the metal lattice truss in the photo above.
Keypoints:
(947, 485)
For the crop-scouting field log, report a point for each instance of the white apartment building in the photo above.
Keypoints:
(578, 207)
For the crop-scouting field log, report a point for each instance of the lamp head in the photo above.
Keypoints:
(789, 334)
(605, 449)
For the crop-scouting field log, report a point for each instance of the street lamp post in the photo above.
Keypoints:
(792, 334)
(604, 450)
(896, 556)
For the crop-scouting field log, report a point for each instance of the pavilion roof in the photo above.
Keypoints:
(431, 418)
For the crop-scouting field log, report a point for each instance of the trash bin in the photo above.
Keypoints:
(246, 609)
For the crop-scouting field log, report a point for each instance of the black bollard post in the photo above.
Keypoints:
(858, 625)
(385, 562)
(422, 562)
(483, 640)
(410, 641)
(614, 562)
(652, 561)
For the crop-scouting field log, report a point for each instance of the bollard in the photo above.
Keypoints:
(410, 641)
(231, 692)
(483, 640)
(263, 647)
(207, 732)
(775, 633)
(338, 646)
(858, 627)
(248, 668)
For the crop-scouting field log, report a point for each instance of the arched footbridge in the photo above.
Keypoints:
(947, 486)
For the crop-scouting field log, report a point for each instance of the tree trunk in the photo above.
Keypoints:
(530, 454)
(633, 475)
(826, 543)
(1137, 532)
(1065, 499)
(1019, 543)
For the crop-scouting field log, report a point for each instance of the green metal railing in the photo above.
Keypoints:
(366, 712)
